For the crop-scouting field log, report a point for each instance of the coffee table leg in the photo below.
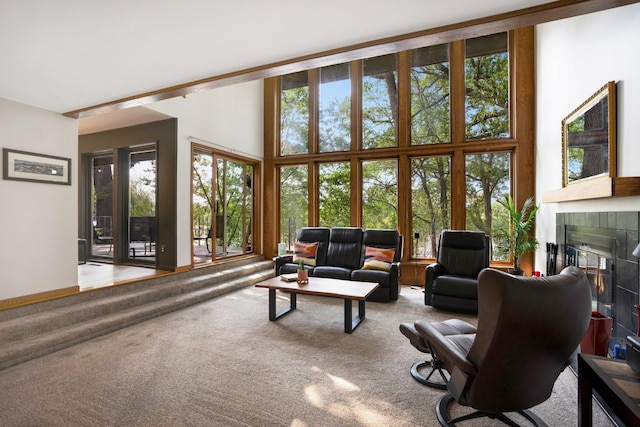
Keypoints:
(273, 315)
(350, 323)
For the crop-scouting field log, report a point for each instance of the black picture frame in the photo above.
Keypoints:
(33, 167)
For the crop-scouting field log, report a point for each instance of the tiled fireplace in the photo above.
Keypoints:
(601, 243)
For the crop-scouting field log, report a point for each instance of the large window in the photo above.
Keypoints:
(418, 141)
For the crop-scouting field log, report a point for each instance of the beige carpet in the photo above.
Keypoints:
(222, 363)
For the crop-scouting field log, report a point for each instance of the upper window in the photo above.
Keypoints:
(430, 103)
(379, 102)
(294, 114)
(335, 108)
(487, 87)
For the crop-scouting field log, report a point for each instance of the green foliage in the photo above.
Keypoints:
(380, 194)
(335, 195)
(487, 179)
(294, 201)
(430, 104)
(141, 201)
(518, 236)
(487, 101)
(430, 199)
(294, 121)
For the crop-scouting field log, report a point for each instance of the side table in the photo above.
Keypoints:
(615, 383)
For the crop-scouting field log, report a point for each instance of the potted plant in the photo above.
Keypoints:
(303, 276)
(519, 237)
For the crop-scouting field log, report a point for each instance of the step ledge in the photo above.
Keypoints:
(21, 351)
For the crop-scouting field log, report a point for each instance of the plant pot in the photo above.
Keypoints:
(303, 277)
(516, 272)
(596, 340)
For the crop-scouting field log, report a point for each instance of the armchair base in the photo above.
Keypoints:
(409, 331)
(444, 417)
(436, 366)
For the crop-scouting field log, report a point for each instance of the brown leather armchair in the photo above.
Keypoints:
(528, 328)
(451, 283)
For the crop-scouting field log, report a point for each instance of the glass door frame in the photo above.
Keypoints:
(250, 196)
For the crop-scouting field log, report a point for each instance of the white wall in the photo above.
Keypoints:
(231, 117)
(574, 58)
(38, 222)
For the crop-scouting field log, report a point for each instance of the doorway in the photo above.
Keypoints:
(123, 205)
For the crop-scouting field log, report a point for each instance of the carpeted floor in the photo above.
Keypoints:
(223, 363)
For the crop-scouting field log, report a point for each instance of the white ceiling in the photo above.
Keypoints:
(66, 55)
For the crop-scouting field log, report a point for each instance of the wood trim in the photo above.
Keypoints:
(523, 111)
(595, 189)
(39, 297)
(403, 131)
(463, 30)
(270, 203)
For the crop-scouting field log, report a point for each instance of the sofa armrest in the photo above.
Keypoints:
(394, 281)
(432, 271)
(280, 261)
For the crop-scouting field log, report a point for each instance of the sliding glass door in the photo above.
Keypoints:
(222, 206)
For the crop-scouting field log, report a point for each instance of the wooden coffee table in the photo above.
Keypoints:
(346, 289)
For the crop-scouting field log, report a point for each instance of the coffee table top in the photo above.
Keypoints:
(322, 286)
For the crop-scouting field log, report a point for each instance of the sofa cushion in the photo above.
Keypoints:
(378, 258)
(382, 278)
(332, 272)
(345, 248)
(305, 252)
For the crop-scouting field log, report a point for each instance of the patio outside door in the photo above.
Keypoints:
(102, 212)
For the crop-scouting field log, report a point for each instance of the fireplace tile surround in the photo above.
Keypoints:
(622, 229)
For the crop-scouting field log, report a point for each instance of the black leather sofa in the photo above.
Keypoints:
(341, 254)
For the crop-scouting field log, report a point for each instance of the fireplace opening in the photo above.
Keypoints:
(601, 244)
(601, 274)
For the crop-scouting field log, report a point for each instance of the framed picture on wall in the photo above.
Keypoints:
(25, 166)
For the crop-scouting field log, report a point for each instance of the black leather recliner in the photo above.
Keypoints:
(451, 283)
(528, 329)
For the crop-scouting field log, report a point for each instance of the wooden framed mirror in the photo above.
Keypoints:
(589, 138)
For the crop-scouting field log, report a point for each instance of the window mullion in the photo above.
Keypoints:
(457, 90)
(314, 111)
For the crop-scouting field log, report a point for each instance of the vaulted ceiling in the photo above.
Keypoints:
(72, 54)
